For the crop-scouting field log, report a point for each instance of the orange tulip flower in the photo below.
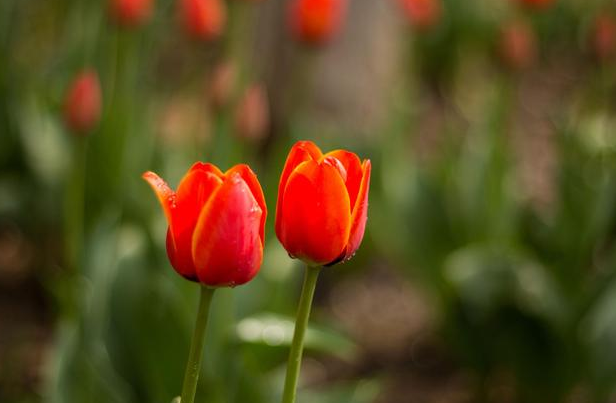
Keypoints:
(322, 204)
(82, 104)
(203, 19)
(130, 13)
(216, 224)
(315, 22)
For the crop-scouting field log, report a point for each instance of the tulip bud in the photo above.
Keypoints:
(422, 14)
(314, 22)
(203, 19)
(517, 47)
(603, 37)
(536, 4)
(130, 13)
(221, 85)
(216, 223)
(82, 103)
(322, 204)
(252, 114)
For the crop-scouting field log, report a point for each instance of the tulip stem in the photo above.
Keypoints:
(301, 323)
(193, 367)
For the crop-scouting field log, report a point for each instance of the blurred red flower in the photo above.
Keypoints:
(252, 114)
(322, 204)
(130, 13)
(517, 45)
(315, 22)
(82, 103)
(216, 224)
(203, 19)
(603, 37)
(422, 14)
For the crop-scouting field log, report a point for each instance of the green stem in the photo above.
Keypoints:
(74, 205)
(74, 226)
(301, 323)
(193, 367)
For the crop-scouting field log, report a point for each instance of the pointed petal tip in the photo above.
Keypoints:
(310, 147)
(206, 167)
(157, 183)
(149, 175)
(366, 165)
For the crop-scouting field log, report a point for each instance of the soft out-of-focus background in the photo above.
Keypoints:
(487, 272)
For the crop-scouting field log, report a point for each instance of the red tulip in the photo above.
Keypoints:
(131, 13)
(422, 14)
(216, 224)
(517, 47)
(252, 114)
(203, 19)
(322, 204)
(315, 22)
(82, 104)
(603, 39)
(536, 4)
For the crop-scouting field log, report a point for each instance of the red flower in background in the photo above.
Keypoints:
(82, 103)
(422, 14)
(252, 114)
(322, 204)
(203, 19)
(314, 22)
(536, 4)
(216, 224)
(130, 13)
(603, 37)
(517, 47)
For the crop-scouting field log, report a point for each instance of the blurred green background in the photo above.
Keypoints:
(487, 272)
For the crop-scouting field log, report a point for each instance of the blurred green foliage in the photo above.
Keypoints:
(521, 288)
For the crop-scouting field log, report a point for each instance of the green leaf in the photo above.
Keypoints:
(277, 331)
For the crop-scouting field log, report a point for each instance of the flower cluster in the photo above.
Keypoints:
(216, 220)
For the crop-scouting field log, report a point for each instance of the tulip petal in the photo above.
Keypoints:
(166, 195)
(354, 172)
(300, 152)
(360, 212)
(226, 245)
(253, 183)
(315, 218)
(195, 188)
(180, 260)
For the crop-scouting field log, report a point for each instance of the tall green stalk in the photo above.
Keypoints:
(74, 221)
(301, 324)
(193, 367)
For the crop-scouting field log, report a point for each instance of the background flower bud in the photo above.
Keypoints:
(517, 45)
(82, 103)
(603, 37)
(422, 14)
(252, 113)
(203, 19)
(221, 84)
(130, 13)
(315, 22)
